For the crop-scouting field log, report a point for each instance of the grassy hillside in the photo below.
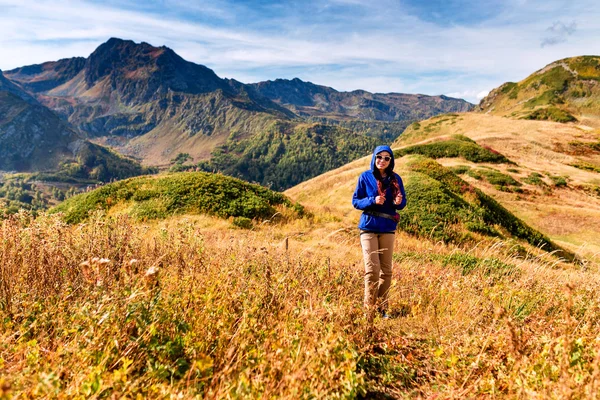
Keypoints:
(564, 91)
(159, 197)
(441, 206)
(90, 167)
(286, 154)
(552, 183)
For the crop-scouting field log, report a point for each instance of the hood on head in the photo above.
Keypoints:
(378, 150)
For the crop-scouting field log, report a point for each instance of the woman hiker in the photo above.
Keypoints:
(379, 193)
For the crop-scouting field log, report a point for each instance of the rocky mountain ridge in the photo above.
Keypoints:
(310, 100)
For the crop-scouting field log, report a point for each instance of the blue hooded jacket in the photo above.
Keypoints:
(366, 191)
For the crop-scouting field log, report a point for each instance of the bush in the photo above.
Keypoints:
(180, 193)
(458, 146)
(551, 114)
(501, 181)
(559, 181)
(460, 169)
(535, 178)
(242, 222)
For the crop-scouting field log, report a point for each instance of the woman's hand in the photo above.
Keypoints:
(379, 200)
(398, 199)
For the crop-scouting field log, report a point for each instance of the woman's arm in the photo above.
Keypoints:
(360, 200)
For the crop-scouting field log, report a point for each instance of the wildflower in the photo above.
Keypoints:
(152, 271)
(152, 276)
(103, 261)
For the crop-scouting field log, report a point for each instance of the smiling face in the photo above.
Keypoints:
(382, 161)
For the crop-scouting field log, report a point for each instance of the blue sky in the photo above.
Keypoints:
(460, 48)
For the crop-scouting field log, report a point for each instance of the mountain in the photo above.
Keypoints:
(566, 90)
(31, 136)
(310, 100)
(34, 139)
(124, 91)
(42, 77)
(149, 102)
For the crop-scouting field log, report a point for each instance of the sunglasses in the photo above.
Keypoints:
(385, 158)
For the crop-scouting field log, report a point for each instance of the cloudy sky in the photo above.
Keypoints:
(460, 48)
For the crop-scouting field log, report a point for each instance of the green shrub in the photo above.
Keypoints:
(496, 178)
(242, 222)
(551, 114)
(416, 126)
(535, 178)
(458, 146)
(180, 193)
(460, 169)
(559, 181)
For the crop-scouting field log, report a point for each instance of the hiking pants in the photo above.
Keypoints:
(377, 253)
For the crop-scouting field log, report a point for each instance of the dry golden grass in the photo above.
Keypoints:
(188, 307)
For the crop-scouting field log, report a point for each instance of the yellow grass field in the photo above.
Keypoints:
(192, 307)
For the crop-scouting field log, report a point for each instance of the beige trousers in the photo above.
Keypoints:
(378, 249)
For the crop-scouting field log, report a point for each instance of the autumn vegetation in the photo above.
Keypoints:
(199, 305)
(114, 307)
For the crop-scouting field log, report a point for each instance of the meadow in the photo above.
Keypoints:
(162, 293)
(191, 306)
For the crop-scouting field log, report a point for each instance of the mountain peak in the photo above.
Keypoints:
(140, 70)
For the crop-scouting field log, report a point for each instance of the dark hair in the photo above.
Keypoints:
(393, 182)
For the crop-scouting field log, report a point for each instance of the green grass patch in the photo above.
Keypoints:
(466, 263)
(551, 114)
(458, 146)
(459, 169)
(179, 193)
(501, 181)
(535, 178)
(558, 181)
(586, 166)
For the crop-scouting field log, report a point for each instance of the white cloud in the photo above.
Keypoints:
(382, 50)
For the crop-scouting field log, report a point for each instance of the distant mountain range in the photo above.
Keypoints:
(309, 100)
(150, 103)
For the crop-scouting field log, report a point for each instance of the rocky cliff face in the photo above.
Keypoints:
(31, 136)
